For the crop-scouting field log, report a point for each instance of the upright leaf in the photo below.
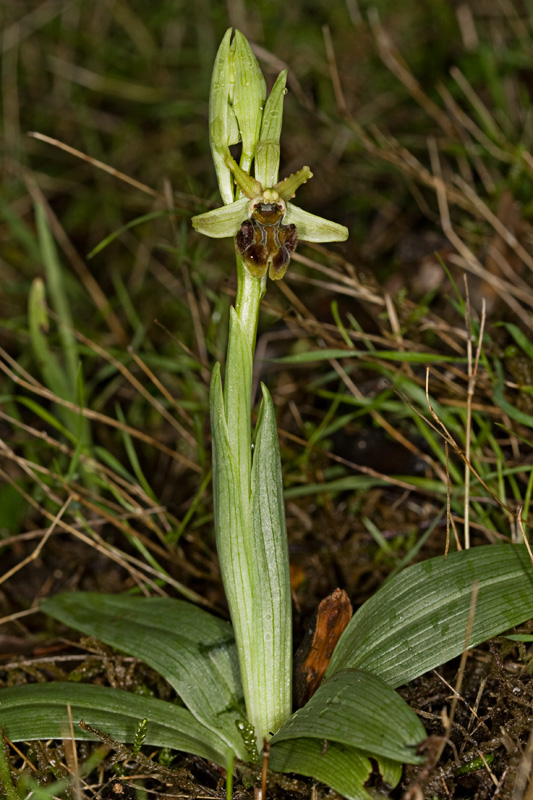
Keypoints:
(271, 582)
(233, 532)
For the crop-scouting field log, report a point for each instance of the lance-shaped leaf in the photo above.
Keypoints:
(40, 711)
(189, 647)
(356, 708)
(420, 618)
(251, 539)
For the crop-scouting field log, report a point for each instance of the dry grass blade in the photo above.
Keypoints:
(393, 59)
(164, 391)
(40, 390)
(142, 187)
(468, 259)
(71, 757)
(472, 375)
(137, 569)
(138, 386)
(36, 553)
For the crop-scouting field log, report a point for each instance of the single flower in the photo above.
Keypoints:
(266, 225)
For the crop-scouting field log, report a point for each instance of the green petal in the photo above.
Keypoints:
(312, 228)
(249, 186)
(288, 186)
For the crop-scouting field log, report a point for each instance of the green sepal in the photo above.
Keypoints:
(223, 222)
(312, 228)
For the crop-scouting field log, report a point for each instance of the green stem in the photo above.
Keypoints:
(10, 793)
(250, 291)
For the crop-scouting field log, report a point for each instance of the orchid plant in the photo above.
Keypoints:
(248, 492)
(234, 681)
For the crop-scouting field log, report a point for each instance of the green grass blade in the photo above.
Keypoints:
(137, 221)
(345, 484)
(189, 647)
(419, 619)
(387, 355)
(56, 287)
(45, 415)
(358, 709)
(53, 373)
(499, 398)
(39, 711)
(132, 455)
(20, 231)
(520, 338)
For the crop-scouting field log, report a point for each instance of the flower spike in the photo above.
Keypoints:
(266, 226)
